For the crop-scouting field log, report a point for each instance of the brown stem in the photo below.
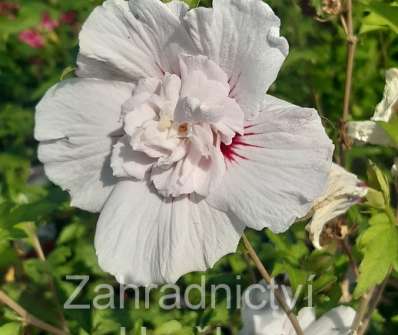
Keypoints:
(252, 274)
(348, 250)
(361, 312)
(40, 254)
(348, 26)
(28, 318)
(372, 306)
(267, 277)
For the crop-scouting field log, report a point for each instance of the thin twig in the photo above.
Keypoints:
(252, 274)
(372, 306)
(348, 26)
(267, 277)
(369, 303)
(348, 250)
(40, 253)
(344, 24)
(28, 318)
(361, 312)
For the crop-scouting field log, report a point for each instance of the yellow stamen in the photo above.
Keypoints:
(165, 122)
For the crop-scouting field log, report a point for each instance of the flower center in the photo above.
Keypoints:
(174, 129)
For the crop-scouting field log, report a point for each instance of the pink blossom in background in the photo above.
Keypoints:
(9, 9)
(32, 38)
(49, 23)
(69, 17)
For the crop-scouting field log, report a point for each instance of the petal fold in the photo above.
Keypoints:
(143, 239)
(343, 191)
(335, 322)
(130, 40)
(242, 37)
(77, 122)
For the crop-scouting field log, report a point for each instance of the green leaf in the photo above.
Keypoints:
(379, 245)
(192, 3)
(391, 128)
(59, 256)
(286, 249)
(8, 231)
(375, 199)
(388, 15)
(36, 270)
(296, 276)
(169, 328)
(109, 321)
(373, 22)
(11, 328)
(237, 263)
(11, 233)
(28, 17)
(8, 255)
(319, 262)
(34, 211)
(72, 232)
(14, 171)
(378, 180)
(323, 282)
(70, 70)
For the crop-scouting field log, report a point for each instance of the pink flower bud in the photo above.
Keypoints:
(48, 23)
(69, 17)
(32, 38)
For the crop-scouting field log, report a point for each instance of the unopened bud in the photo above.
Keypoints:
(332, 7)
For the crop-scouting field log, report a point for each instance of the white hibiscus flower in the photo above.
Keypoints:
(167, 132)
(343, 191)
(386, 110)
(262, 316)
(370, 131)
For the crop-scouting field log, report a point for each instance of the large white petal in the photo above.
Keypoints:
(386, 109)
(143, 239)
(343, 191)
(276, 169)
(370, 131)
(131, 40)
(76, 123)
(335, 322)
(270, 320)
(242, 37)
(261, 315)
(165, 32)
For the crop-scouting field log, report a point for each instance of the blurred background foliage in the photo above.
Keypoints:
(38, 46)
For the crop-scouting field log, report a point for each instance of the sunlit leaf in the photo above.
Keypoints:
(379, 245)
